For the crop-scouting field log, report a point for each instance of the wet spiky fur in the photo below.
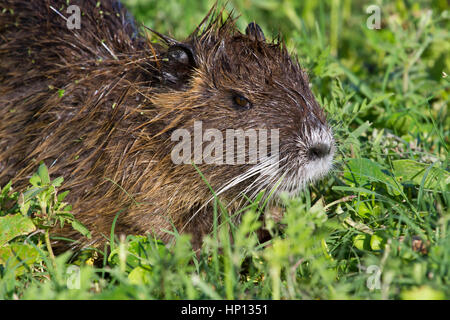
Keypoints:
(98, 106)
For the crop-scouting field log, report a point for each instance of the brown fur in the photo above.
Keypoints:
(110, 131)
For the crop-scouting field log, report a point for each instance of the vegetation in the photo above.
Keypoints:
(376, 228)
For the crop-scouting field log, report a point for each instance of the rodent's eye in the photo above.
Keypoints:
(241, 102)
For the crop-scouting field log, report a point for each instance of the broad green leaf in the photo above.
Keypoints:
(140, 275)
(35, 180)
(57, 182)
(376, 242)
(362, 241)
(31, 193)
(138, 248)
(43, 174)
(14, 254)
(62, 196)
(414, 172)
(363, 171)
(12, 226)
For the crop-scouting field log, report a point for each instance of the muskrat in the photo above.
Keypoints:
(99, 106)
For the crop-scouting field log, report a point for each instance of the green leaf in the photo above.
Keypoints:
(66, 215)
(376, 242)
(362, 171)
(62, 196)
(361, 129)
(138, 248)
(379, 98)
(18, 254)
(31, 193)
(35, 180)
(414, 172)
(23, 206)
(360, 241)
(12, 226)
(5, 190)
(43, 174)
(77, 225)
(61, 92)
(140, 275)
(57, 182)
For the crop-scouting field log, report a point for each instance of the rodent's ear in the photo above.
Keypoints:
(254, 31)
(182, 54)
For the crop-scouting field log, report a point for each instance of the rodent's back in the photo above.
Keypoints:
(100, 105)
(50, 75)
(71, 98)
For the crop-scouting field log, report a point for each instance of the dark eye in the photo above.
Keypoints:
(241, 102)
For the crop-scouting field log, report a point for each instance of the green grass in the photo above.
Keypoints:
(354, 235)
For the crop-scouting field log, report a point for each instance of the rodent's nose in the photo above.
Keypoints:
(318, 151)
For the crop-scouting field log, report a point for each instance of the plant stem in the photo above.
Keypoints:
(49, 247)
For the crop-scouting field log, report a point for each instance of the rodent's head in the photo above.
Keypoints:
(230, 80)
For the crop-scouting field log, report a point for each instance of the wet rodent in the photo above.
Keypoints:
(99, 105)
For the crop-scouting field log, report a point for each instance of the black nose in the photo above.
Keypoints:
(318, 151)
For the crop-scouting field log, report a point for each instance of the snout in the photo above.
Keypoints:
(318, 151)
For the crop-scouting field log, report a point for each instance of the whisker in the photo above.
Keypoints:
(253, 171)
